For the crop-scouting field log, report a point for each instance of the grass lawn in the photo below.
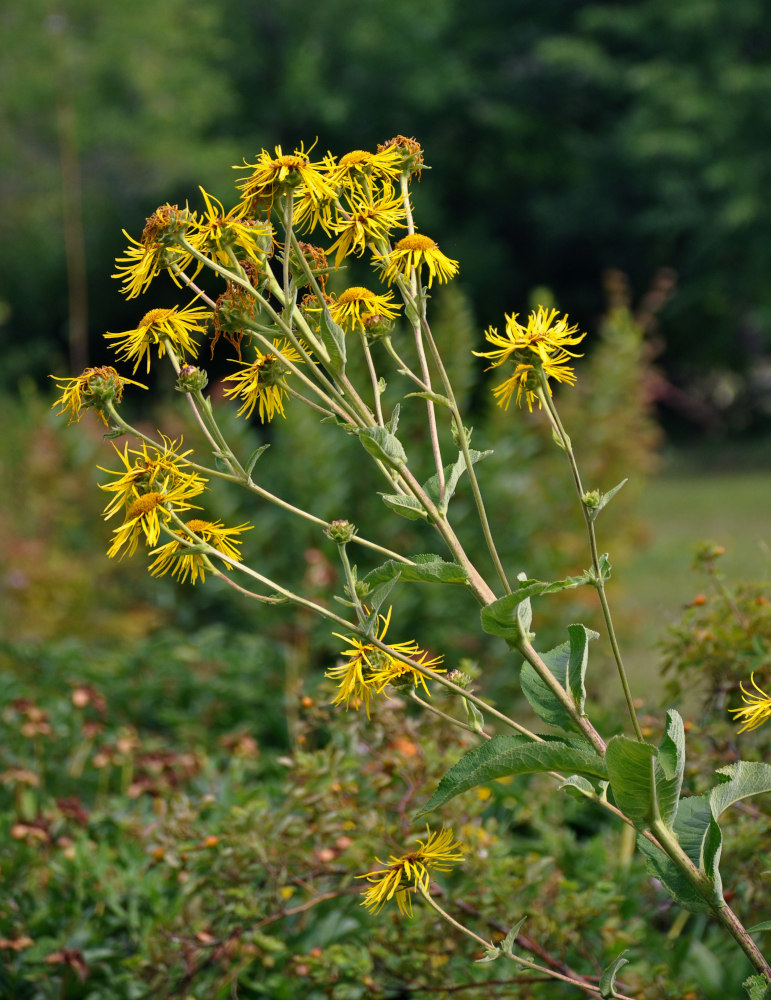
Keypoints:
(682, 509)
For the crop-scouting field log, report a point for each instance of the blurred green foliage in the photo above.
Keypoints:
(566, 138)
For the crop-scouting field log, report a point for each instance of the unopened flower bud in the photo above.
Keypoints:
(460, 678)
(191, 379)
(377, 327)
(340, 531)
(591, 499)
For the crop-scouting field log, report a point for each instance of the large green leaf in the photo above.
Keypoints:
(739, 781)
(758, 987)
(425, 568)
(407, 507)
(507, 755)
(503, 618)
(568, 663)
(670, 767)
(631, 771)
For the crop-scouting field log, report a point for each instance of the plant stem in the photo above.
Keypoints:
(547, 402)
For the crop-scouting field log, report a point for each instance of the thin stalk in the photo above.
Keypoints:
(449, 718)
(373, 377)
(403, 368)
(463, 442)
(524, 962)
(351, 583)
(547, 402)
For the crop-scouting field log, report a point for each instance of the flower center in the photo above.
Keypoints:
(198, 526)
(154, 316)
(143, 505)
(355, 294)
(415, 241)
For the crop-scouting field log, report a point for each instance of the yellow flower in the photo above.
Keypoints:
(367, 221)
(279, 174)
(401, 876)
(219, 232)
(146, 470)
(542, 344)
(357, 304)
(144, 515)
(162, 328)
(177, 557)
(360, 167)
(369, 669)
(756, 710)
(155, 251)
(414, 251)
(263, 382)
(91, 390)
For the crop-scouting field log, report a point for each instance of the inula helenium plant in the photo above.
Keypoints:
(288, 341)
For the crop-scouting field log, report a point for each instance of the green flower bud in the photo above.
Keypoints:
(191, 379)
(340, 532)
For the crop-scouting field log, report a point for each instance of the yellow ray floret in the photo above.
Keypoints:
(756, 709)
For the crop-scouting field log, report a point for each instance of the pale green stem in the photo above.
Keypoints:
(547, 402)
(525, 963)
(372, 376)
(463, 442)
(449, 718)
(403, 368)
(351, 583)
(308, 402)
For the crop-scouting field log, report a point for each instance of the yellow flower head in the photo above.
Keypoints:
(357, 305)
(177, 557)
(263, 382)
(370, 669)
(279, 174)
(367, 221)
(91, 390)
(400, 877)
(220, 232)
(415, 251)
(156, 251)
(146, 470)
(410, 152)
(541, 345)
(756, 710)
(144, 515)
(162, 328)
(359, 168)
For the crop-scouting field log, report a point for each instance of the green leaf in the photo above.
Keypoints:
(475, 718)
(605, 499)
(671, 878)
(489, 956)
(452, 474)
(384, 446)
(670, 767)
(739, 781)
(425, 568)
(608, 979)
(435, 397)
(501, 618)
(333, 338)
(254, 457)
(407, 507)
(377, 596)
(393, 424)
(758, 987)
(568, 663)
(630, 768)
(507, 944)
(506, 755)
(764, 926)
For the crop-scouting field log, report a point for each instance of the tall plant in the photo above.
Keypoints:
(292, 339)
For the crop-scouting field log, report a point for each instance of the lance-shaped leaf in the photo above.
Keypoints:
(501, 618)
(608, 980)
(452, 474)
(384, 446)
(424, 568)
(568, 663)
(503, 756)
(333, 338)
